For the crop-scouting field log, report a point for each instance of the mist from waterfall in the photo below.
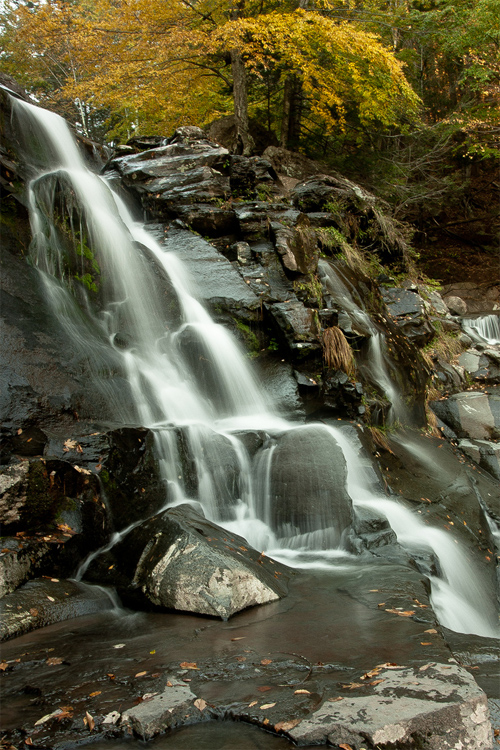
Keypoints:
(149, 338)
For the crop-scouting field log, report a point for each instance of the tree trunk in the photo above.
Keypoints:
(244, 141)
(292, 112)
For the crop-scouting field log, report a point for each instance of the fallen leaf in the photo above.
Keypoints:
(253, 703)
(375, 682)
(266, 661)
(352, 685)
(148, 696)
(240, 638)
(302, 692)
(140, 674)
(50, 598)
(47, 717)
(200, 704)
(345, 747)
(3, 666)
(431, 630)
(334, 700)
(110, 675)
(89, 721)
(120, 645)
(80, 469)
(267, 705)
(52, 661)
(96, 692)
(266, 721)
(153, 651)
(69, 445)
(425, 643)
(241, 658)
(407, 613)
(371, 673)
(189, 665)
(28, 741)
(264, 688)
(285, 726)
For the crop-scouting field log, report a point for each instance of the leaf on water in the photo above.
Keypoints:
(52, 661)
(253, 703)
(89, 721)
(96, 692)
(352, 685)
(266, 661)
(189, 665)
(119, 645)
(50, 598)
(3, 666)
(47, 717)
(267, 705)
(302, 692)
(285, 726)
(388, 665)
(264, 688)
(200, 704)
(140, 674)
(240, 638)
(431, 630)
(371, 673)
(69, 445)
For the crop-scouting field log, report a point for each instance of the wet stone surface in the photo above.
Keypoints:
(275, 666)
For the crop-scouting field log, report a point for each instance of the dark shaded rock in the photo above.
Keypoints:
(297, 246)
(297, 326)
(43, 602)
(208, 220)
(308, 485)
(217, 281)
(408, 310)
(146, 142)
(224, 131)
(182, 561)
(278, 380)
(249, 176)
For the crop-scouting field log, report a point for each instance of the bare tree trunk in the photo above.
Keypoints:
(244, 141)
(292, 112)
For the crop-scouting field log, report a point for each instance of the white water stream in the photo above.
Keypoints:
(167, 393)
(484, 328)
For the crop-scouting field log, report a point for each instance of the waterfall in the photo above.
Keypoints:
(110, 297)
(376, 366)
(483, 329)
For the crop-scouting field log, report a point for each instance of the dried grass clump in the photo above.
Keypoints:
(337, 351)
(380, 439)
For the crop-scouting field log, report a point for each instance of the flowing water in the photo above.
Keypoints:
(110, 297)
(484, 328)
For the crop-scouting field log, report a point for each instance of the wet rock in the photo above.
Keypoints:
(218, 283)
(249, 176)
(21, 560)
(296, 325)
(13, 487)
(456, 305)
(278, 380)
(208, 220)
(408, 310)
(297, 246)
(175, 706)
(471, 414)
(482, 366)
(485, 453)
(180, 560)
(43, 602)
(440, 706)
(308, 486)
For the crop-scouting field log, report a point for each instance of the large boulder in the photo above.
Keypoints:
(471, 414)
(407, 309)
(308, 490)
(180, 560)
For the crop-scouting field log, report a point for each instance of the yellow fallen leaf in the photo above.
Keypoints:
(267, 705)
(240, 638)
(89, 721)
(189, 665)
(425, 643)
(334, 700)
(285, 726)
(52, 661)
(96, 692)
(140, 674)
(266, 661)
(301, 692)
(431, 630)
(200, 704)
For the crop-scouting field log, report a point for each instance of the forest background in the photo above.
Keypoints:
(402, 95)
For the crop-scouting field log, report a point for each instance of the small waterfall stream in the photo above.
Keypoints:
(485, 328)
(150, 337)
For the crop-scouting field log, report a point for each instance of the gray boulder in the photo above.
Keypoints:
(180, 560)
(471, 414)
(308, 485)
(408, 310)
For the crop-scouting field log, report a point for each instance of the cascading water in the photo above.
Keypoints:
(127, 321)
(484, 328)
(376, 369)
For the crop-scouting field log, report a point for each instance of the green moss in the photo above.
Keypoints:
(251, 340)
